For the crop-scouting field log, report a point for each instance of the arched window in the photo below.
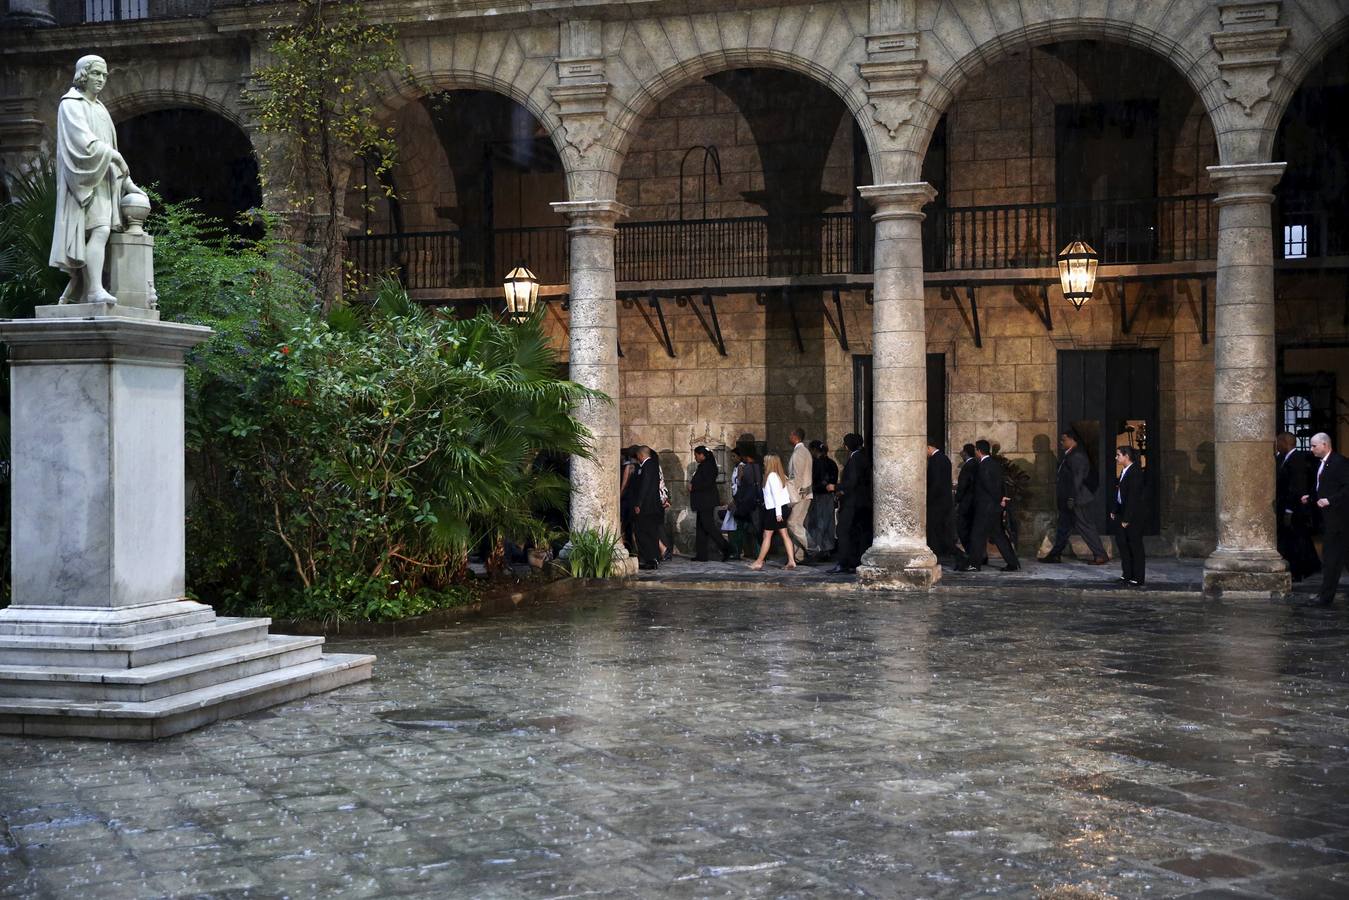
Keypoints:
(1297, 413)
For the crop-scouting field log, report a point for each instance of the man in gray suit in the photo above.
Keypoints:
(1076, 500)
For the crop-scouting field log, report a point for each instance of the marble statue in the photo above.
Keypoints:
(91, 179)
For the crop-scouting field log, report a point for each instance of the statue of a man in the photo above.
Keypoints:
(90, 178)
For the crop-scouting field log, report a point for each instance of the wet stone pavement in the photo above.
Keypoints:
(686, 744)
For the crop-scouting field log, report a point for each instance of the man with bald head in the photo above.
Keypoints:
(1330, 493)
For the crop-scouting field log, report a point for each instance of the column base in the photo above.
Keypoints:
(899, 568)
(1247, 574)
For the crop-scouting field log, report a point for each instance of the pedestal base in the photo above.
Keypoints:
(899, 568)
(92, 310)
(1261, 575)
(151, 671)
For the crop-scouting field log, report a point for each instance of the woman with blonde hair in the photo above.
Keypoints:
(777, 507)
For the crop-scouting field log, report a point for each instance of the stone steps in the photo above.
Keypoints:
(158, 680)
(180, 712)
(127, 653)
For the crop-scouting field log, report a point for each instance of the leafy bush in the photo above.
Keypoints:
(592, 553)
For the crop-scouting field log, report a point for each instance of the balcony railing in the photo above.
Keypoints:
(1030, 235)
(1159, 230)
(88, 12)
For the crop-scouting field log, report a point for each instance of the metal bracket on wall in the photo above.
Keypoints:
(791, 311)
(841, 325)
(565, 303)
(974, 314)
(1126, 319)
(713, 328)
(1045, 316)
(1203, 311)
(654, 302)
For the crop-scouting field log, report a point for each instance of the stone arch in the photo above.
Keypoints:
(124, 106)
(640, 104)
(969, 58)
(395, 93)
(1326, 38)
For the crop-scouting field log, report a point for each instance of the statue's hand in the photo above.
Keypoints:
(120, 164)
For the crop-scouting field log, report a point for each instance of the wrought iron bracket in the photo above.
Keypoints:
(974, 314)
(791, 311)
(712, 327)
(1203, 310)
(841, 325)
(1045, 315)
(654, 302)
(1127, 318)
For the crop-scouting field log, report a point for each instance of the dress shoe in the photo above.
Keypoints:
(1051, 558)
(967, 568)
(1135, 583)
(647, 566)
(700, 559)
(841, 570)
(669, 555)
(1315, 602)
(1099, 561)
(728, 556)
(1011, 568)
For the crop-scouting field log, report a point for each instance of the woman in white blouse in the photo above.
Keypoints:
(777, 507)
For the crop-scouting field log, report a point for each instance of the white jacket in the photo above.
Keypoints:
(801, 471)
(775, 495)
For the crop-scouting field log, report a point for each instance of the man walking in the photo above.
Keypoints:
(941, 531)
(1076, 500)
(1330, 493)
(648, 513)
(989, 503)
(801, 478)
(969, 463)
(854, 506)
(703, 498)
(1293, 482)
(1130, 515)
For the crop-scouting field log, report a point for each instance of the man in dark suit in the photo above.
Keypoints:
(1076, 502)
(1129, 512)
(989, 503)
(648, 513)
(1330, 493)
(965, 496)
(1293, 481)
(854, 505)
(703, 499)
(941, 531)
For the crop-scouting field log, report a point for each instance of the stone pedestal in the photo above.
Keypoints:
(899, 556)
(99, 640)
(594, 364)
(131, 269)
(1246, 562)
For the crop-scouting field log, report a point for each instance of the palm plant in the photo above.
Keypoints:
(26, 224)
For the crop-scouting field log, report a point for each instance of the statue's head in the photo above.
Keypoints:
(90, 67)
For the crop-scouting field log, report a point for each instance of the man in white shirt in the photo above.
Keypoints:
(1330, 494)
(800, 475)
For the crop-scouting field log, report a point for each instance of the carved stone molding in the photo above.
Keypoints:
(582, 91)
(1249, 46)
(892, 87)
(20, 127)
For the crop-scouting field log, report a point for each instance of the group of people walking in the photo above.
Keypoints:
(817, 511)
(980, 510)
(820, 512)
(1308, 487)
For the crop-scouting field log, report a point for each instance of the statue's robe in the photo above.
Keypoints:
(88, 186)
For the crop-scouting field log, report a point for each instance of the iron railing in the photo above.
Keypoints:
(89, 12)
(1164, 229)
(1030, 235)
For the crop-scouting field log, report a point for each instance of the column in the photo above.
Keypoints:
(594, 362)
(1246, 561)
(899, 556)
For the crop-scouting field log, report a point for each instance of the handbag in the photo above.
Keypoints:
(728, 520)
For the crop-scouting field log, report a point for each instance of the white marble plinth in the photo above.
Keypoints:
(91, 310)
(100, 640)
(131, 269)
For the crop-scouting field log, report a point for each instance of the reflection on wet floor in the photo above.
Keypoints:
(1015, 744)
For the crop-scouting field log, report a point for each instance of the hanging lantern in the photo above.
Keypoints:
(1077, 272)
(522, 292)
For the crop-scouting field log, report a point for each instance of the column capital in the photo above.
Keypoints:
(1246, 182)
(906, 199)
(591, 213)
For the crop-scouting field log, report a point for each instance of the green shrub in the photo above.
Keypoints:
(592, 553)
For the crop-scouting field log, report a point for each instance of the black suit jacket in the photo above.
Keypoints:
(1132, 505)
(1334, 486)
(855, 483)
(647, 496)
(938, 485)
(988, 487)
(1293, 480)
(965, 486)
(704, 485)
